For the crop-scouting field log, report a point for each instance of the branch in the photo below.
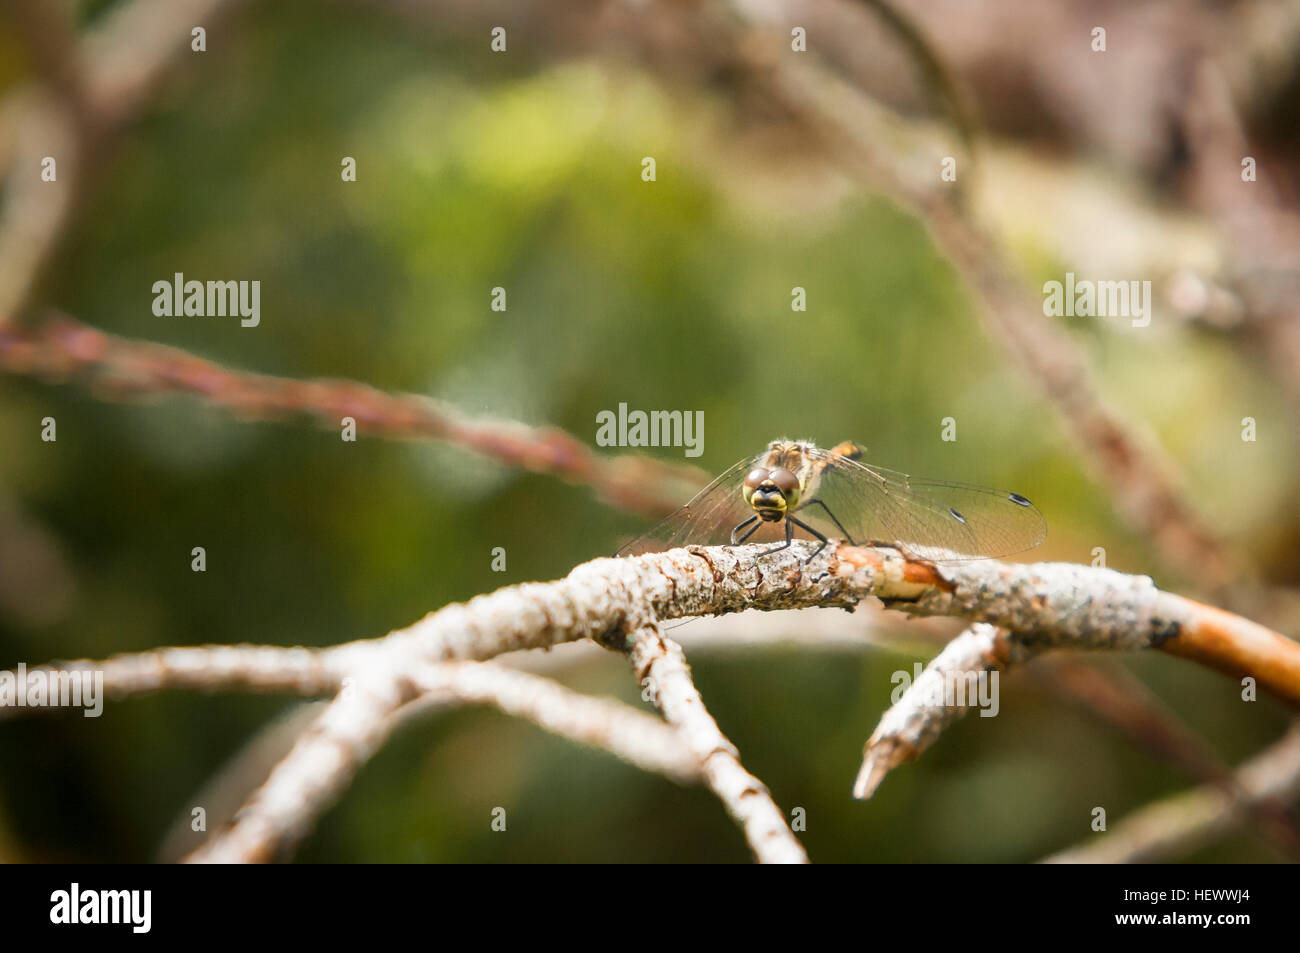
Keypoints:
(321, 764)
(632, 735)
(661, 666)
(1049, 605)
(914, 722)
(261, 668)
(386, 694)
(117, 368)
(234, 781)
(1186, 821)
(94, 86)
(618, 603)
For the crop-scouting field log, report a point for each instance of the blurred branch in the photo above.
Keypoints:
(879, 147)
(938, 76)
(116, 368)
(236, 779)
(1123, 701)
(36, 213)
(1185, 822)
(93, 87)
(866, 138)
(53, 118)
(1260, 225)
(135, 48)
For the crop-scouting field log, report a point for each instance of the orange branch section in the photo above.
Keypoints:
(1239, 647)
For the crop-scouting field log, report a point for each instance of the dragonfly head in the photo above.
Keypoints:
(772, 493)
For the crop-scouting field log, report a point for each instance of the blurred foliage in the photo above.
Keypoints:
(477, 171)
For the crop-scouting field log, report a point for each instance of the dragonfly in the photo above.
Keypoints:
(794, 486)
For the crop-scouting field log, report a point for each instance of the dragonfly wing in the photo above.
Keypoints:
(937, 520)
(708, 519)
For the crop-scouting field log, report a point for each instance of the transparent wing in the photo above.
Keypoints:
(936, 520)
(709, 518)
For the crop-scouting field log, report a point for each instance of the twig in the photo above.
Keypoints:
(936, 73)
(636, 737)
(947, 690)
(661, 666)
(388, 692)
(261, 668)
(915, 722)
(324, 760)
(1186, 821)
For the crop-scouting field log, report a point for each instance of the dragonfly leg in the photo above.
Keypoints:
(789, 538)
(840, 526)
(739, 527)
(804, 526)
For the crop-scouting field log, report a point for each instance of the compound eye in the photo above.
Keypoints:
(755, 478)
(785, 481)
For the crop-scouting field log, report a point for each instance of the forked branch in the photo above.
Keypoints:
(618, 603)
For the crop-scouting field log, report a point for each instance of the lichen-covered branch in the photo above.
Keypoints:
(1049, 605)
(618, 603)
(320, 765)
(388, 692)
(660, 666)
(929, 705)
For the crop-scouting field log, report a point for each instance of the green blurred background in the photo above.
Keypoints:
(476, 171)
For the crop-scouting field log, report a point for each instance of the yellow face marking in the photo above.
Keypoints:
(806, 462)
